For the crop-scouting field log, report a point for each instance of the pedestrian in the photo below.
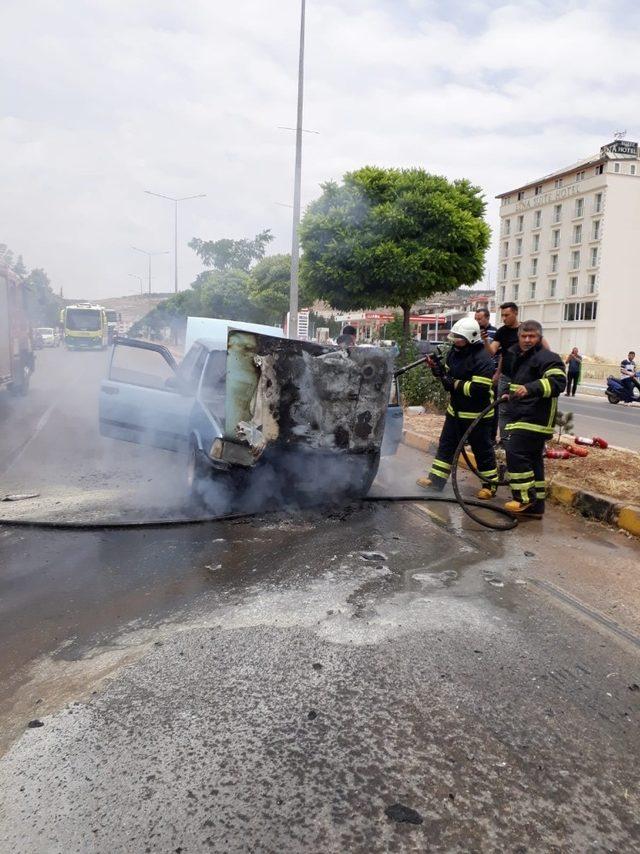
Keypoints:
(574, 369)
(466, 375)
(503, 339)
(537, 378)
(347, 337)
(628, 372)
(488, 332)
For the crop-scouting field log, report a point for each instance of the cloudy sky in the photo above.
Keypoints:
(102, 99)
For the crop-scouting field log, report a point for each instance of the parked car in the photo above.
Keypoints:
(266, 418)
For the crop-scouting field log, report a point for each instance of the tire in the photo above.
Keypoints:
(21, 387)
(612, 398)
(194, 477)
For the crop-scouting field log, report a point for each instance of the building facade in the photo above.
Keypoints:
(570, 253)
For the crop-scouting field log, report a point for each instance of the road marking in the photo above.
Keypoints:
(42, 421)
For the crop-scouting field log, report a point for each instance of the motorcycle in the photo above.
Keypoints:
(620, 392)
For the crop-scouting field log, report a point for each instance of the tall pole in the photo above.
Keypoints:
(295, 242)
(149, 275)
(175, 247)
(149, 256)
(175, 227)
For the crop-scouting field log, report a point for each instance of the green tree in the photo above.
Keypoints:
(227, 254)
(270, 281)
(388, 237)
(43, 305)
(19, 267)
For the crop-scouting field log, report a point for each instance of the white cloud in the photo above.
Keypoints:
(105, 99)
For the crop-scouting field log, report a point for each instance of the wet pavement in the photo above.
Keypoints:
(280, 683)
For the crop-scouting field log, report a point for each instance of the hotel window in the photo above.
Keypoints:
(504, 272)
(616, 167)
(537, 190)
(597, 202)
(520, 195)
(532, 290)
(537, 219)
(552, 287)
(577, 234)
(554, 263)
(600, 169)
(557, 183)
(555, 238)
(573, 285)
(536, 243)
(579, 207)
(534, 267)
(507, 226)
(503, 293)
(596, 229)
(592, 283)
(632, 169)
(521, 222)
(516, 291)
(580, 310)
(518, 246)
(505, 249)
(580, 176)
(594, 257)
(516, 270)
(557, 213)
(575, 259)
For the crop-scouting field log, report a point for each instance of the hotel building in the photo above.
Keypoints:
(570, 253)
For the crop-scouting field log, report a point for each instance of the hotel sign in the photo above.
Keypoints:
(552, 196)
(621, 147)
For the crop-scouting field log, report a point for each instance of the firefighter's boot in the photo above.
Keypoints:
(433, 484)
(532, 510)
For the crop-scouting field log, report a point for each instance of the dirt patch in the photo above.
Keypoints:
(427, 424)
(607, 472)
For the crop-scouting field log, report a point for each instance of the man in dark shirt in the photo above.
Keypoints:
(347, 337)
(505, 338)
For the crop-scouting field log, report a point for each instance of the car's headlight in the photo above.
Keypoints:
(216, 449)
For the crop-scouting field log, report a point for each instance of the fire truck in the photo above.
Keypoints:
(17, 361)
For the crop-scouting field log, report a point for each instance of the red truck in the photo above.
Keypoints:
(17, 360)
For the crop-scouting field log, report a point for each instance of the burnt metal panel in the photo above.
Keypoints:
(295, 393)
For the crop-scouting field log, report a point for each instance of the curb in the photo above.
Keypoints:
(591, 505)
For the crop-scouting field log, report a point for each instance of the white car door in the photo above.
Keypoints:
(143, 399)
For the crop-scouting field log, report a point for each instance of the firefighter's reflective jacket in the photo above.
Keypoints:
(471, 369)
(542, 373)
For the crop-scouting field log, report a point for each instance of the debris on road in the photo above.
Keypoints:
(34, 724)
(401, 813)
(21, 496)
(373, 556)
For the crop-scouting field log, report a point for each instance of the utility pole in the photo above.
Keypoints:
(149, 256)
(175, 227)
(295, 241)
(139, 278)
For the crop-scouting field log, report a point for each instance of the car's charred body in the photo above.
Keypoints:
(267, 418)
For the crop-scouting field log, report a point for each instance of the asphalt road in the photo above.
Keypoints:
(279, 684)
(595, 416)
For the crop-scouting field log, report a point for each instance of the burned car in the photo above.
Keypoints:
(264, 419)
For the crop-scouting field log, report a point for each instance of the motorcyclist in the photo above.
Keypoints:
(628, 373)
(467, 375)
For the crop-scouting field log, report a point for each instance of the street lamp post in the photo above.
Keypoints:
(149, 256)
(295, 242)
(139, 278)
(175, 227)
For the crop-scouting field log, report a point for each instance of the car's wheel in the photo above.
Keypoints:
(612, 398)
(21, 386)
(195, 479)
(361, 480)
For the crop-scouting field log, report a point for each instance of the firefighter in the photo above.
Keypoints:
(467, 375)
(536, 378)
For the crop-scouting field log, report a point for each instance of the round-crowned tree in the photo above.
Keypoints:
(389, 237)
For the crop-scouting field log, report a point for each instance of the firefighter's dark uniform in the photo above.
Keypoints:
(530, 420)
(468, 371)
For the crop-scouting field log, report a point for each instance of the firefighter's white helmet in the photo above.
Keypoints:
(467, 328)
